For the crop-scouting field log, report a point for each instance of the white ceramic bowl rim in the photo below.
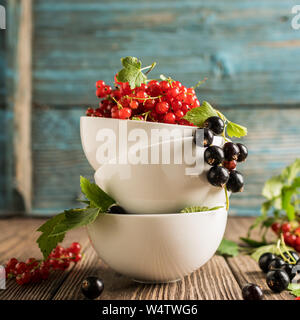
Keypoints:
(167, 214)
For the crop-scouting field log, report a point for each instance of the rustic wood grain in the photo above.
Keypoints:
(219, 279)
(58, 159)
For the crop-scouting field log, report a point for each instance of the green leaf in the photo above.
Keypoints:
(286, 196)
(131, 72)
(197, 116)
(235, 130)
(46, 243)
(291, 171)
(95, 195)
(272, 248)
(199, 209)
(272, 187)
(253, 243)
(228, 248)
(294, 289)
(75, 218)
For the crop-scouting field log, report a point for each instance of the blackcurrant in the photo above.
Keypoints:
(294, 254)
(290, 270)
(264, 261)
(213, 155)
(115, 209)
(277, 280)
(231, 151)
(215, 124)
(276, 263)
(252, 292)
(92, 287)
(235, 182)
(203, 137)
(217, 176)
(243, 152)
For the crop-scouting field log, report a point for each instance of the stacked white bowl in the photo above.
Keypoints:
(153, 241)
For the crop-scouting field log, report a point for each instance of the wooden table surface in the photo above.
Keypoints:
(219, 279)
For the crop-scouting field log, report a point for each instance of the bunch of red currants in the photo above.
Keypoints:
(291, 233)
(165, 101)
(33, 270)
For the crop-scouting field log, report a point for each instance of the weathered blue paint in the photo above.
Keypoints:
(247, 49)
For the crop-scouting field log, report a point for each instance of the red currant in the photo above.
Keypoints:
(89, 112)
(149, 104)
(11, 263)
(276, 227)
(286, 227)
(134, 104)
(75, 248)
(179, 114)
(77, 258)
(125, 113)
(162, 107)
(141, 95)
(20, 267)
(169, 117)
(196, 104)
(100, 84)
(173, 92)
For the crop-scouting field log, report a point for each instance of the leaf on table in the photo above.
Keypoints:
(228, 248)
(294, 289)
(46, 243)
(253, 243)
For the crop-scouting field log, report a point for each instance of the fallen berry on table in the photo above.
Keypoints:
(277, 280)
(264, 261)
(252, 292)
(276, 263)
(92, 287)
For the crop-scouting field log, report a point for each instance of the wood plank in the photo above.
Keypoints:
(244, 268)
(248, 50)
(19, 241)
(59, 160)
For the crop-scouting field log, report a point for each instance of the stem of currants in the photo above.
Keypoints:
(226, 196)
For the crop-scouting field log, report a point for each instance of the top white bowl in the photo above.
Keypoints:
(159, 187)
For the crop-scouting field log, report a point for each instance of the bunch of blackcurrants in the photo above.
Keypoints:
(280, 270)
(223, 160)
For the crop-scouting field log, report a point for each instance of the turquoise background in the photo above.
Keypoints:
(247, 50)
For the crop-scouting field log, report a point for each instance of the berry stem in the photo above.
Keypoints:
(151, 68)
(227, 199)
(293, 260)
(199, 83)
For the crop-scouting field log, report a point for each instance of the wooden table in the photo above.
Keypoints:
(220, 279)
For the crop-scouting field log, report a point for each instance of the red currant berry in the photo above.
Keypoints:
(20, 267)
(297, 232)
(179, 114)
(176, 105)
(182, 97)
(149, 104)
(100, 84)
(77, 258)
(169, 117)
(125, 113)
(286, 227)
(290, 240)
(297, 241)
(75, 248)
(134, 104)
(196, 104)
(162, 107)
(173, 92)
(177, 84)
(89, 112)
(230, 165)
(25, 277)
(276, 227)
(185, 108)
(191, 91)
(116, 80)
(165, 86)
(11, 263)
(190, 99)
(141, 95)
(19, 279)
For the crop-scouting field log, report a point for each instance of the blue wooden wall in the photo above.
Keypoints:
(247, 49)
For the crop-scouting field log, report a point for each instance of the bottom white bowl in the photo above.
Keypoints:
(158, 247)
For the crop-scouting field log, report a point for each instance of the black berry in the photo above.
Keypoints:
(217, 176)
(277, 280)
(231, 151)
(92, 287)
(213, 155)
(215, 124)
(252, 292)
(115, 209)
(290, 270)
(276, 263)
(235, 182)
(203, 137)
(243, 152)
(264, 261)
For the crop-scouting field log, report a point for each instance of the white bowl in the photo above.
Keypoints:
(150, 188)
(157, 247)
